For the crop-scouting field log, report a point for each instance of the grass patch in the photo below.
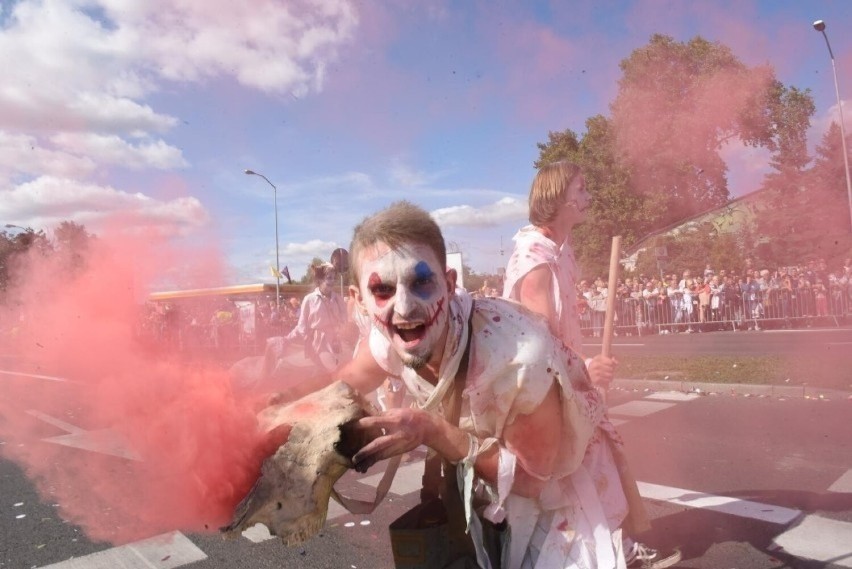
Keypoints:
(832, 371)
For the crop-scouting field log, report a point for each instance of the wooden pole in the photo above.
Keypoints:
(615, 255)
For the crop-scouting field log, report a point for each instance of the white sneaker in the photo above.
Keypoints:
(643, 557)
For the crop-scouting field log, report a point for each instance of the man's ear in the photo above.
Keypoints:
(355, 293)
(452, 276)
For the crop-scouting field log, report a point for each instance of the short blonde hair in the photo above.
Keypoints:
(549, 190)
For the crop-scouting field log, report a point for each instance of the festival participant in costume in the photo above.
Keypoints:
(541, 275)
(322, 321)
(529, 414)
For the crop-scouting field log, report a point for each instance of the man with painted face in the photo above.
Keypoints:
(541, 275)
(322, 319)
(529, 414)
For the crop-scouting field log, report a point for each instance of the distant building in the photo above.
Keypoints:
(729, 218)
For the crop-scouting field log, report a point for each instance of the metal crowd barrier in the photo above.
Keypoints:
(772, 309)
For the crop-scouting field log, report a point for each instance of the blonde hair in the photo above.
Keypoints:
(549, 191)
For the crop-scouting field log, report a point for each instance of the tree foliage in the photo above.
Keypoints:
(14, 246)
(808, 213)
(656, 161)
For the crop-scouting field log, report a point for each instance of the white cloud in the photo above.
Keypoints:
(22, 154)
(78, 76)
(505, 210)
(403, 176)
(113, 150)
(312, 248)
(47, 201)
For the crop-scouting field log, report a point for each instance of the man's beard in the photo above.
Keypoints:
(416, 362)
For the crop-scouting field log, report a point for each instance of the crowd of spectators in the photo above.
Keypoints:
(216, 324)
(750, 298)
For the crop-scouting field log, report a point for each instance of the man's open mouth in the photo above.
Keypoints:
(409, 332)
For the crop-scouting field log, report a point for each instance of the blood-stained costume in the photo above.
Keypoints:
(532, 250)
(514, 362)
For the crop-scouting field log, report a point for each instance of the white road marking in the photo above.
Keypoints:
(673, 396)
(616, 421)
(614, 345)
(104, 441)
(408, 479)
(724, 504)
(840, 343)
(166, 551)
(48, 377)
(842, 484)
(639, 408)
(820, 539)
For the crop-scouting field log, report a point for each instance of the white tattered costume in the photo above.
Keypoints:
(513, 364)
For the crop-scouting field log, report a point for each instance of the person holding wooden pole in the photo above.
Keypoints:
(541, 275)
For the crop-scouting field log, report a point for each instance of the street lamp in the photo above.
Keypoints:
(819, 26)
(277, 264)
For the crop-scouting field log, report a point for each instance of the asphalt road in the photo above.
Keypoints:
(734, 481)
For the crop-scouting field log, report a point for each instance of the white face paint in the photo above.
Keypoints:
(407, 296)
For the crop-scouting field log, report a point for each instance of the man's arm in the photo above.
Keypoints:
(531, 438)
(536, 293)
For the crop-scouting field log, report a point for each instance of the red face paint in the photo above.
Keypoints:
(381, 292)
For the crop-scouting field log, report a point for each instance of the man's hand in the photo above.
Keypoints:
(602, 370)
(403, 430)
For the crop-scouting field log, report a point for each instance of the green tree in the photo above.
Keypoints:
(807, 216)
(656, 160)
(72, 242)
(680, 103)
(14, 245)
(559, 146)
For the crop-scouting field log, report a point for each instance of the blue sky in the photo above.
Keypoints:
(156, 107)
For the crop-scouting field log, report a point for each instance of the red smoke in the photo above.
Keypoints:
(197, 442)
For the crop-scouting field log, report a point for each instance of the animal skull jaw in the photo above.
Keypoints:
(291, 495)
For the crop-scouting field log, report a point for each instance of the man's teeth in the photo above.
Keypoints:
(406, 326)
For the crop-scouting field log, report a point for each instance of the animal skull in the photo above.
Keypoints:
(291, 496)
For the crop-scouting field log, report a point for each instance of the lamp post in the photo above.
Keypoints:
(277, 263)
(819, 26)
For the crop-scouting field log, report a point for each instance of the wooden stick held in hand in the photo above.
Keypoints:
(615, 254)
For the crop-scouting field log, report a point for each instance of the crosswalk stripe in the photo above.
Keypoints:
(639, 408)
(166, 551)
(842, 484)
(820, 539)
(723, 504)
(673, 396)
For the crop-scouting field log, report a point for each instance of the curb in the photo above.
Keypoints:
(789, 391)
